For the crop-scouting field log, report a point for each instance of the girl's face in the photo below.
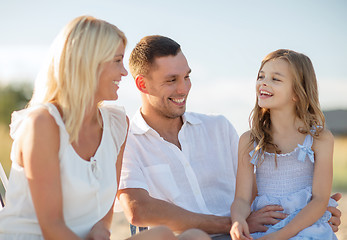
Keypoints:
(275, 85)
(110, 76)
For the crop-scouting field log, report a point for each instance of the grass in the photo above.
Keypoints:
(340, 159)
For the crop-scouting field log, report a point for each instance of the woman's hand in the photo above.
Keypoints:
(99, 232)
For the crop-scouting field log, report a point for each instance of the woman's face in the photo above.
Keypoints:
(110, 77)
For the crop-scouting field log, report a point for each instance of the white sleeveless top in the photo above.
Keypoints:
(88, 187)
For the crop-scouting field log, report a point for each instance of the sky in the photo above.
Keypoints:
(223, 40)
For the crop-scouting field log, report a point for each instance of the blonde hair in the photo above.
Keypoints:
(307, 107)
(71, 76)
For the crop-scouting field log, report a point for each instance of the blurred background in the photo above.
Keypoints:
(223, 40)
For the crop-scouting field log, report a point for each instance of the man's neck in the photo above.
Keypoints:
(167, 128)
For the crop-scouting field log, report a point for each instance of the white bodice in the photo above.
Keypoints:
(294, 171)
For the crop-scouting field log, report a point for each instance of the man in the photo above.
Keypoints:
(179, 168)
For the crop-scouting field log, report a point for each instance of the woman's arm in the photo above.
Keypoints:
(321, 187)
(240, 209)
(39, 155)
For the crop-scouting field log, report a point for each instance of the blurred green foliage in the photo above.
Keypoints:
(13, 97)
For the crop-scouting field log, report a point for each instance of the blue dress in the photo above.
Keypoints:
(289, 184)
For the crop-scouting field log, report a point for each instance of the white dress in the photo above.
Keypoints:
(88, 187)
(289, 184)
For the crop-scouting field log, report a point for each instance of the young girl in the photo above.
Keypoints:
(289, 149)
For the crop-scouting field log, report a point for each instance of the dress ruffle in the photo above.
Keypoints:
(292, 205)
(117, 118)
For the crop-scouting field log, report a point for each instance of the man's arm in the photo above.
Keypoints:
(143, 210)
(270, 215)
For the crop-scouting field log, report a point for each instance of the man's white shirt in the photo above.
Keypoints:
(200, 178)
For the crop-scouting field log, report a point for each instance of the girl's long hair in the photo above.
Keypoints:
(70, 78)
(307, 107)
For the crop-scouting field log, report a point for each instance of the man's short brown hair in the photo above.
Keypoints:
(143, 55)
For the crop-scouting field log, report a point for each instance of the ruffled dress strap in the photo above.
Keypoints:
(254, 157)
(305, 149)
(117, 122)
(64, 135)
(52, 109)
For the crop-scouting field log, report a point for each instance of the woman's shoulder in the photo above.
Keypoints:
(37, 119)
(41, 117)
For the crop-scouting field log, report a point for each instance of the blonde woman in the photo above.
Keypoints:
(290, 150)
(68, 145)
(67, 149)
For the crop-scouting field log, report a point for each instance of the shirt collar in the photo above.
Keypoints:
(139, 126)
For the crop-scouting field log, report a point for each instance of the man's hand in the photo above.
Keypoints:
(268, 215)
(335, 220)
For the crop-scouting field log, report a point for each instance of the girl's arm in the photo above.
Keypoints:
(39, 155)
(321, 187)
(240, 209)
(102, 228)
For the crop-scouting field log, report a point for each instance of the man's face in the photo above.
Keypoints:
(168, 85)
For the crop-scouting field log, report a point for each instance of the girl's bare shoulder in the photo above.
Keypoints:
(325, 136)
(245, 140)
(246, 136)
(323, 140)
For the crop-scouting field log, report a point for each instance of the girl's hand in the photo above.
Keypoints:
(239, 231)
(99, 232)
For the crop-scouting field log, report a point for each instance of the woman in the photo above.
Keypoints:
(67, 149)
